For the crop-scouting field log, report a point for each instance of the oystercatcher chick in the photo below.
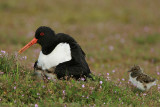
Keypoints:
(60, 56)
(141, 80)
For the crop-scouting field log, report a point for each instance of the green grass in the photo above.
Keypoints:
(114, 34)
(149, 39)
(18, 87)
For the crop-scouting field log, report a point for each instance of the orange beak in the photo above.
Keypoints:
(32, 42)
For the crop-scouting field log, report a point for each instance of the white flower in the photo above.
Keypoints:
(113, 71)
(36, 105)
(3, 51)
(111, 48)
(15, 87)
(83, 86)
(144, 94)
(123, 79)
(100, 82)
(63, 91)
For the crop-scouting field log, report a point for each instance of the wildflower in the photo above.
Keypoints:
(3, 51)
(63, 91)
(38, 94)
(119, 99)
(43, 86)
(15, 87)
(113, 71)
(49, 78)
(82, 79)
(159, 88)
(144, 94)
(91, 88)
(1, 73)
(122, 102)
(158, 73)
(107, 73)
(22, 95)
(24, 57)
(83, 86)
(36, 105)
(100, 82)
(108, 78)
(123, 79)
(111, 48)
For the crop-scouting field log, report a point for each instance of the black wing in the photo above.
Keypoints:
(77, 66)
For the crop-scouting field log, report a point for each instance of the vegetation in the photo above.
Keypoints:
(114, 34)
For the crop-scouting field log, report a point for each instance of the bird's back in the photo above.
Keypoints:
(143, 78)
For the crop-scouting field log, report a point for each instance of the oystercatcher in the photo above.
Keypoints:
(141, 80)
(60, 56)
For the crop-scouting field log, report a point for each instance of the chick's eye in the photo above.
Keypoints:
(41, 34)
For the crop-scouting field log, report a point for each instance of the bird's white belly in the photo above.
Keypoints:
(60, 54)
(140, 85)
(133, 80)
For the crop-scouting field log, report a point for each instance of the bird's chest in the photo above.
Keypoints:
(60, 54)
(133, 80)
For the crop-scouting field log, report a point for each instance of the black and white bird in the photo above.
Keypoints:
(61, 56)
(141, 80)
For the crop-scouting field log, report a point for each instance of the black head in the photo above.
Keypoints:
(45, 36)
(135, 69)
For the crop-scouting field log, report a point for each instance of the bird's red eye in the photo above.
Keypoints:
(41, 34)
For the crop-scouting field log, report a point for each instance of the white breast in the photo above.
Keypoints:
(136, 83)
(133, 80)
(60, 54)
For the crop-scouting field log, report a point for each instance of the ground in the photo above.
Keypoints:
(115, 35)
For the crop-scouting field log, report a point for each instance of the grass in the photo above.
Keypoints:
(114, 34)
(19, 88)
(149, 39)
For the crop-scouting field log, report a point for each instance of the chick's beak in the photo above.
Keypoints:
(32, 42)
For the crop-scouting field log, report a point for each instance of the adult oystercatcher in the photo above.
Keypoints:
(61, 56)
